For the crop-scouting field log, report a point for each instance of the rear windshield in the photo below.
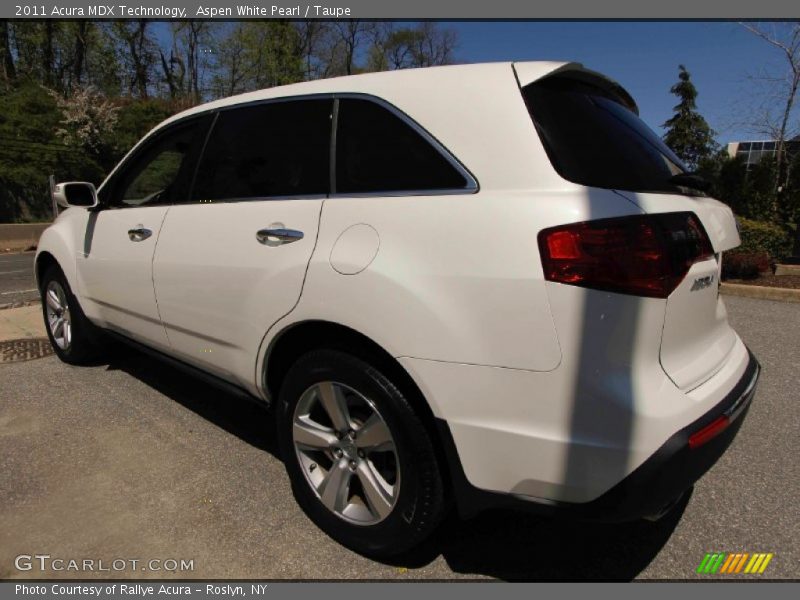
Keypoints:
(594, 140)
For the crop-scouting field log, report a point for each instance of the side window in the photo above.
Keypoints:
(377, 151)
(160, 173)
(273, 149)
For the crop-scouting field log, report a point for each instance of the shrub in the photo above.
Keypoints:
(760, 237)
(744, 265)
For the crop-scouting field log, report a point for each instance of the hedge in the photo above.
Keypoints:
(760, 236)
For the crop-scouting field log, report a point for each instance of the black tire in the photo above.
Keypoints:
(420, 502)
(85, 343)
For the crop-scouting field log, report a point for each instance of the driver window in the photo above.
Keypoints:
(159, 174)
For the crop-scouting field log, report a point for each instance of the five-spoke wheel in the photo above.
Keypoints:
(74, 338)
(347, 452)
(58, 317)
(360, 459)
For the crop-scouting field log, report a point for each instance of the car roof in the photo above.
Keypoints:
(452, 104)
(439, 77)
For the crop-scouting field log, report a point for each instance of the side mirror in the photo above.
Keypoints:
(75, 193)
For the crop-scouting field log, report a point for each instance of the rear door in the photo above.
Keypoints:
(115, 268)
(232, 260)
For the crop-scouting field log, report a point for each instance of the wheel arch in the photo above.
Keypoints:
(54, 248)
(299, 338)
(44, 260)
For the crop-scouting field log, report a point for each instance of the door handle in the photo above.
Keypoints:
(278, 236)
(139, 233)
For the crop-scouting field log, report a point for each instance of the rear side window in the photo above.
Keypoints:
(274, 149)
(594, 140)
(377, 151)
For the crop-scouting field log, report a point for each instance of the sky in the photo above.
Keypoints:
(644, 58)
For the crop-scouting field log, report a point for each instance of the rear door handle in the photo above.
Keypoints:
(278, 236)
(139, 233)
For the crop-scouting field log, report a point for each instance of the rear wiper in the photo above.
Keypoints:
(691, 180)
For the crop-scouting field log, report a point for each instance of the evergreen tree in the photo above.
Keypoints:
(688, 133)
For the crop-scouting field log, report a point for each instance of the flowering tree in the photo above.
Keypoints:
(87, 119)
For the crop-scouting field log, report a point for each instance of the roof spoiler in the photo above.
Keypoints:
(528, 72)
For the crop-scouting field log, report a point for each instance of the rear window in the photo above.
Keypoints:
(593, 139)
(376, 152)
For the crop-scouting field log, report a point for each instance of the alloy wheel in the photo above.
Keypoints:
(346, 452)
(58, 315)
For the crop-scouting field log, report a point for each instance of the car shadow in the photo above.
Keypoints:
(506, 545)
(234, 414)
(516, 546)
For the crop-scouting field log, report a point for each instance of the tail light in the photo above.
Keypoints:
(646, 255)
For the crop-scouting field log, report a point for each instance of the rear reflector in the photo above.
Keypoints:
(708, 432)
(644, 255)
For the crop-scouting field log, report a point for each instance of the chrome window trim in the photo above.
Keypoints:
(472, 186)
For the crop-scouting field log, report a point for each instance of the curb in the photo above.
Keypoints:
(787, 269)
(761, 292)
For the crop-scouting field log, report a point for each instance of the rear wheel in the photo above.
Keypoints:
(72, 335)
(361, 462)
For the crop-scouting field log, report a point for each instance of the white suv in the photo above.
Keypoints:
(483, 285)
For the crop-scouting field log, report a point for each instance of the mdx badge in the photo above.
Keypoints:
(702, 283)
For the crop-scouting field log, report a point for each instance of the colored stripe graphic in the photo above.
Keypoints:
(718, 564)
(703, 563)
(756, 558)
(726, 567)
(722, 562)
(741, 562)
(764, 564)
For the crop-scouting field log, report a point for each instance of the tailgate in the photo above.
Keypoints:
(697, 337)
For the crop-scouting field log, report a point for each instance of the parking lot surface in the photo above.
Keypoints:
(17, 282)
(131, 460)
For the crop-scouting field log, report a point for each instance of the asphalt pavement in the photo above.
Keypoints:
(17, 282)
(128, 459)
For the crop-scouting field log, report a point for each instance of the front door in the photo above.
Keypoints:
(115, 274)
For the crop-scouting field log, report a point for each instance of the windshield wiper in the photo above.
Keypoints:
(691, 180)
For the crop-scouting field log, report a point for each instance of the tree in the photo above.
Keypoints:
(138, 51)
(423, 45)
(9, 71)
(688, 133)
(185, 70)
(312, 35)
(775, 115)
(87, 120)
(255, 55)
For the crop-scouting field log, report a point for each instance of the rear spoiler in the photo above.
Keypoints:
(528, 72)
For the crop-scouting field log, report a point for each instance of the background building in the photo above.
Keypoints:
(751, 152)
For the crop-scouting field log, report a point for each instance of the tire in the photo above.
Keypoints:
(411, 502)
(77, 340)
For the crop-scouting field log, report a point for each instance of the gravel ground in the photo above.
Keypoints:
(131, 460)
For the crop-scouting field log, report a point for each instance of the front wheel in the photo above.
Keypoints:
(70, 332)
(361, 463)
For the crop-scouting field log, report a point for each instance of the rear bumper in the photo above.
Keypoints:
(647, 491)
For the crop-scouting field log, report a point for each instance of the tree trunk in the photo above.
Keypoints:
(47, 53)
(169, 76)
(81, 31)
(9, 71)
